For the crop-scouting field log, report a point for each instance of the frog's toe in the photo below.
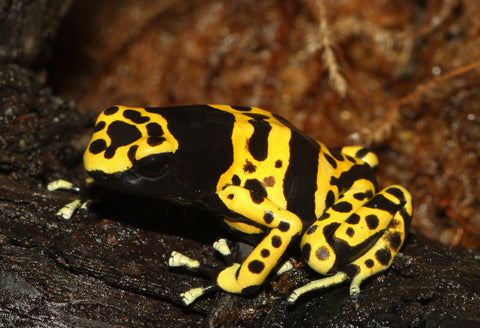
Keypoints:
(354, 290)
(191, 295)
(336, 279)
(180, 260)
(221, 246)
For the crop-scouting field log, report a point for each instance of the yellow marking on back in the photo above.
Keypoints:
(265, 171)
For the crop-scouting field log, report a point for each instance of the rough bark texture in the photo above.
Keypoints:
(107, 267)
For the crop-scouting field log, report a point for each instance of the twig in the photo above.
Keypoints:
(423, 88)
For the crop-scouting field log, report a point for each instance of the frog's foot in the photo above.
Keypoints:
(221, 246)
(338, 278)
(179, 260)
(67, 211)
(285, 267)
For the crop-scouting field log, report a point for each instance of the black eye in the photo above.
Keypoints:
(154, 166)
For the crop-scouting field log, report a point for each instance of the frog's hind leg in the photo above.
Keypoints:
(361, 153)
(380, 256)
(363, 245)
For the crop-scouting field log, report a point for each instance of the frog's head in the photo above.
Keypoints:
(132, 151)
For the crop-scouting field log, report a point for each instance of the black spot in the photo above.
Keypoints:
(258, 142)
(242, 108)
(236, 180)
(372, 221)
(131, 153)
(383, 256)
(99, 126)
(121, 134)
(362, 152)
(135, 116)
(324, 216)
(328, 230)
(249, 167)
(337, 153)
(230, 196)
(97, 146)
(257, 199)
(109, 152)
(155, 141)
(276, 241)
(268, 217)
(307, 248)
(111, 110)
(256, 266)
(332, 162)
(359, 196)
(396, 192)
(265, 253)
(351, 159)
(257, 191)
(369, 263)
(351, 270)
(284, 226)
(154, 129)
(383, 203)
(312, 229)
(395, 240)
(278, 163)
(342, 207)
(353, 219)
(350, 232)
(322, 253)
(330, 199)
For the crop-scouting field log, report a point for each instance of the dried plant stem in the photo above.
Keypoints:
(384, 128)
(338, 81)
(423, 88)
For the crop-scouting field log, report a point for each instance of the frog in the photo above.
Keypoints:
(261, 176)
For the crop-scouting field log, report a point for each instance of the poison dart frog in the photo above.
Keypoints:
(262, 176)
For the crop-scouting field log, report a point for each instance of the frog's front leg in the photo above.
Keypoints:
(358, 245)
(284, 226)
(246, 277)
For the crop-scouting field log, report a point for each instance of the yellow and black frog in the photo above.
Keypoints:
(262, 176)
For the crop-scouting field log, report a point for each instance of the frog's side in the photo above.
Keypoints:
(263, 176)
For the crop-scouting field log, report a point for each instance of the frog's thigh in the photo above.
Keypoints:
(317, 246)
(382, 221)
(284, 226)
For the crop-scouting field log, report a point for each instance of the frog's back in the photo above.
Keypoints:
(273, 159)
(221, 145)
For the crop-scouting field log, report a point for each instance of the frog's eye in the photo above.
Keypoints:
(154, 166)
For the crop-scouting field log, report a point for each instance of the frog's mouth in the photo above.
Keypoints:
(132, 182)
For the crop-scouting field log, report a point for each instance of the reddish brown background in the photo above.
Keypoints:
(271, 54)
